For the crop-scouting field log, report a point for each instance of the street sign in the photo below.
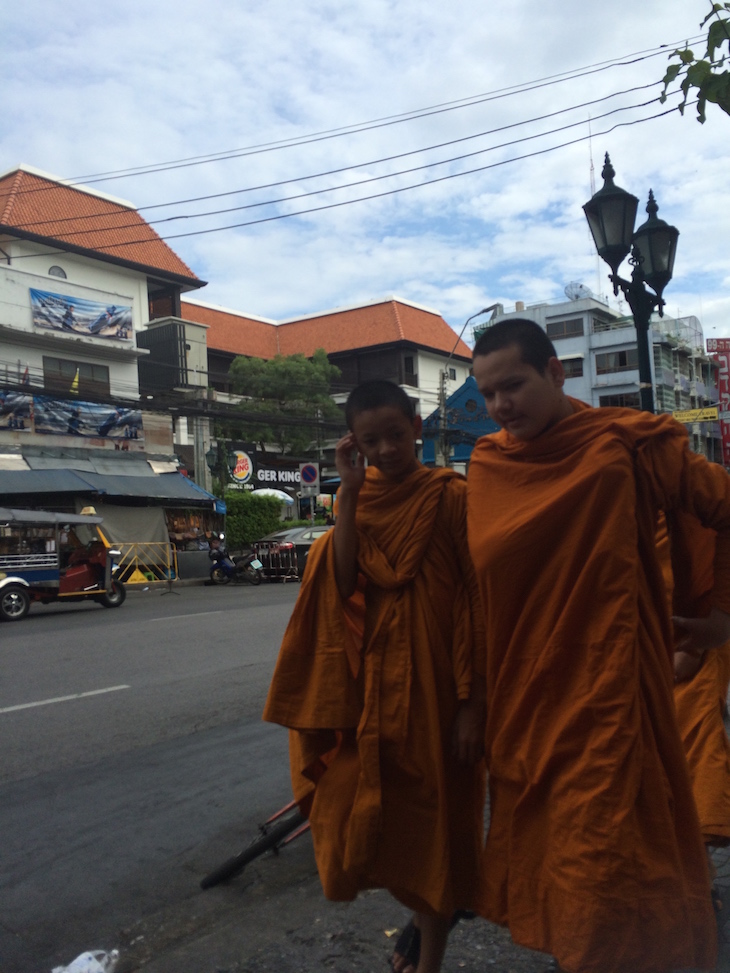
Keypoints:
(697, 415)
(309, 476)
(718, 344)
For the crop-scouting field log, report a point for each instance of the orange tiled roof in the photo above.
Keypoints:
(233, 332)
(38, 206)
(371, 325)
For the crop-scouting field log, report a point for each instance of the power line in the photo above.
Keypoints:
(359, 165)
(350, 202)
(355, 128)
(109, 248)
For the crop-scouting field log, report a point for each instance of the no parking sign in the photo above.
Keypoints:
(309, 478)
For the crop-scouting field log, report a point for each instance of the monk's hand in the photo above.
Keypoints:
(685, 665)
(696, 635)
(350, 463)
(468, 738)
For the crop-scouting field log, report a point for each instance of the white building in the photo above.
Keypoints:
(81, 275)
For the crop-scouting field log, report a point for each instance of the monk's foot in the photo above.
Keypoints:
(407, 950)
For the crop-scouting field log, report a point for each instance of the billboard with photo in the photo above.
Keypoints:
(76, 315)
(90, 420)
(16, 410)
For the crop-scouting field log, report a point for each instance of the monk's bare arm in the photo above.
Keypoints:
(352, 477)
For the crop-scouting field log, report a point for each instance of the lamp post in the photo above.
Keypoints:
(220, 462)
(611, 213)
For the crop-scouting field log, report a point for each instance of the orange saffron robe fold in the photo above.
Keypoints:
(370, 689)
(594, 852)
(700, 701)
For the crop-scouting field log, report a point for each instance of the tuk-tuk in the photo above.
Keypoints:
(47, 556)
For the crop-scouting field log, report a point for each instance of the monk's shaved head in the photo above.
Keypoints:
(375, 395)
(536, 348)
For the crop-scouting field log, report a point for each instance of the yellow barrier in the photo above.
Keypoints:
(142, 562)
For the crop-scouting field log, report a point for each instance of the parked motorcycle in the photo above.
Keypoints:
(244, 568)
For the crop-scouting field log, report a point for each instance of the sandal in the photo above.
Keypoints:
(409, 944)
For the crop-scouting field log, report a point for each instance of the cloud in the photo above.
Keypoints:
(92, 88)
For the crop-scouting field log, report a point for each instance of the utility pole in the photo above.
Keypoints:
(443, 438)
(443, 452)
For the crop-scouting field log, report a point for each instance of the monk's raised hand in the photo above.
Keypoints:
(697, 635)
(350, 463)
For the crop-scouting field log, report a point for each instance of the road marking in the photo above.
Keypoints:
(63, 699)
(167, 618)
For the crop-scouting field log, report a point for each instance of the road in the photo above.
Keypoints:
(133, 759)
(133, 762)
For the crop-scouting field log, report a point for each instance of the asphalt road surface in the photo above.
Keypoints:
(133, 762)
(133, 756)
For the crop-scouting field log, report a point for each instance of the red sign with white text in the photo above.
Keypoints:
(721, 353)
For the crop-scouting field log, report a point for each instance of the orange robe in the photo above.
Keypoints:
(700, 700)
(372, 700)
(594, 852)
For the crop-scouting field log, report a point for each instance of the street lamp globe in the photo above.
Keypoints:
(656, 242)
(611, 213)
(211, 458)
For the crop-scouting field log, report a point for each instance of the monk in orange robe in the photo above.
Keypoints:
(594, 852)
(381, 678)
(701, 681)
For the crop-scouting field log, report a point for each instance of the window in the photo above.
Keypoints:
(617, 361)
(60, 373)
(409, 375)
(573, 367)
(452, 374)
(564, 329)
(56, 271)
(629, 400)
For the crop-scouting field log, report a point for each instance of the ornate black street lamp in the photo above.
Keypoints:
(221, 463)
(611, 213)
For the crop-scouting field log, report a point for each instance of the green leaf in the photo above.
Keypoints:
(718, 34)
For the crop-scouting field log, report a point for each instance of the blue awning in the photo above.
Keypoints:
(158, 487)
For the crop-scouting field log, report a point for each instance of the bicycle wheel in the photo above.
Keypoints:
(270, 839)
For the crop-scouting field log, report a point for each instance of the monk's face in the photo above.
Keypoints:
(518, 397)
(387, 439)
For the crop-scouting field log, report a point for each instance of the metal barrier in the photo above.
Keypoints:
(279, 560)
(145, 561)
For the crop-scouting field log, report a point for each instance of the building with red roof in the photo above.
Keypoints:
(390, 338)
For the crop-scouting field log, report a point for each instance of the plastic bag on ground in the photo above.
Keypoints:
(92, 961)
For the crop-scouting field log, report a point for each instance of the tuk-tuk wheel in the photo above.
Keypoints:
(114, 597)
(14, 603)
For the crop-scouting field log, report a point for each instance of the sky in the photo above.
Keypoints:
(249, 132)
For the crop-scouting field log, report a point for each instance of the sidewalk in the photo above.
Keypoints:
(259, 924)
(274, 919)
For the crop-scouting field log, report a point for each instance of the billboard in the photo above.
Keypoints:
(76, 315)
(60, 417)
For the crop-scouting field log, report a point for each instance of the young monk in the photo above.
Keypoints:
(381, 674)
(594, 850)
